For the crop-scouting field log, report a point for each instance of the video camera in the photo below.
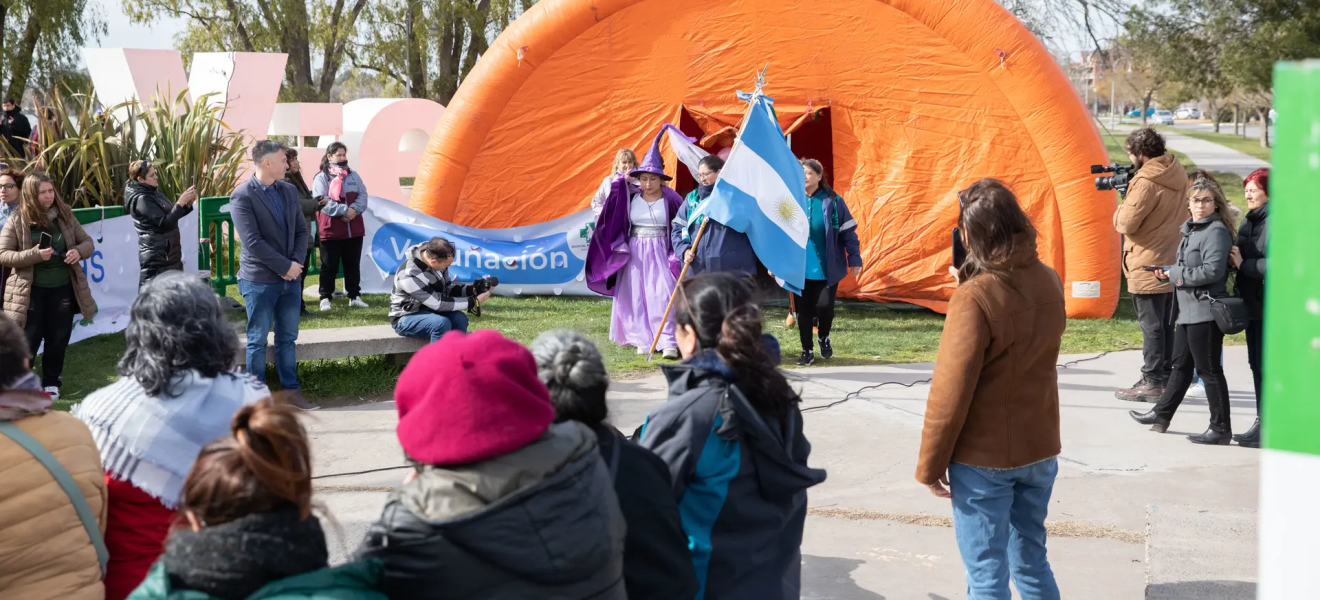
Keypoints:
(479, 287)
(1122, 176)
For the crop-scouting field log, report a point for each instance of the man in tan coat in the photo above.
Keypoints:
(1149, 219)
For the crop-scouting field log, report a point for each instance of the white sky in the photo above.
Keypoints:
(124, 34)
(160, 35)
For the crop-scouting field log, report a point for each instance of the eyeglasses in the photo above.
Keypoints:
(706, 174)
(8, 186)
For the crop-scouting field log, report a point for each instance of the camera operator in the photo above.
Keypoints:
(426, 303)
(1149, 219)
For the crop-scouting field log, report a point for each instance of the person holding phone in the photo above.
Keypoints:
(1199, 274)
(43, 245)
(156, 220)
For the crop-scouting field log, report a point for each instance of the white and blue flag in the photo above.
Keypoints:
(762, 192)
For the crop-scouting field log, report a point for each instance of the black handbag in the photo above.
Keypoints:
(1230, 313)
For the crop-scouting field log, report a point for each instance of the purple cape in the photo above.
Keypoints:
(608, 250)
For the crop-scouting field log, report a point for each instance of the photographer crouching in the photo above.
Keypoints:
(1150, 216)
(426, 303)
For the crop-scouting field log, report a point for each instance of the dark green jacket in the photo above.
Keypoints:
(352, 581)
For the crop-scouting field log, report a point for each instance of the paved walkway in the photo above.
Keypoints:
(1212, 156)
(874, 533)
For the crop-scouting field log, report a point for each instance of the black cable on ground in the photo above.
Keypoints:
(790, 375)
(368, 471)
(857, 393)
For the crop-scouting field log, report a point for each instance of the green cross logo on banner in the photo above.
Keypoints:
(585, 232)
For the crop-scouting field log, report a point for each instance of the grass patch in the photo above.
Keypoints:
(1246, 145)
(865, 334)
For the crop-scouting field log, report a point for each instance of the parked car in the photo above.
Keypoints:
(1187, 113)
(1137, 113)
(1163, 117)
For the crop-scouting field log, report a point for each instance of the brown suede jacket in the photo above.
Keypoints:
(995, 398)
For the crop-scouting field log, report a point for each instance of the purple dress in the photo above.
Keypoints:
(618, 261)
(645, 283)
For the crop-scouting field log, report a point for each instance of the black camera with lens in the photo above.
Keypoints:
(1122, 176)
(479, 287)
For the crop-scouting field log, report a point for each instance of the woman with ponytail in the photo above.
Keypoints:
(248, 532)
(656, 562)
(731, 435)
(343, 198)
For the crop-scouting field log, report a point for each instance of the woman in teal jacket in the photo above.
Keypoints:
(250, 534)
(832, 253)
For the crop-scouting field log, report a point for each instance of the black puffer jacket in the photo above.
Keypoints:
(1251, 274)
(540, 522)
(157, 222)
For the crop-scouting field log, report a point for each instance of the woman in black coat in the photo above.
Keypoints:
(156, 220)
(1248, 257)
(656, 561)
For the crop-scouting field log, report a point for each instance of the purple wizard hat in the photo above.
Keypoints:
(652, 163)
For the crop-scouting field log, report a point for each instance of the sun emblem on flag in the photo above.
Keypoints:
(786, 210)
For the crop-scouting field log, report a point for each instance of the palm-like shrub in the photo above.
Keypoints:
(87, 150)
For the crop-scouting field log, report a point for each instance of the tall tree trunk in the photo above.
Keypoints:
(4, 13)
(416, 50)
(1264, 114)
(1145, 107)
(21, 61)
(332, 56)
(477, 41)
(1235, 118)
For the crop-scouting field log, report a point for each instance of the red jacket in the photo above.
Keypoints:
(135, 532)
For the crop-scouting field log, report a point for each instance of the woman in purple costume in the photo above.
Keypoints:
(631, 259)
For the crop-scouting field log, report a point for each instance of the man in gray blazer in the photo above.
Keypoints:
(269, 222)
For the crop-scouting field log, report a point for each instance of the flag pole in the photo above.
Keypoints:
(674, 294)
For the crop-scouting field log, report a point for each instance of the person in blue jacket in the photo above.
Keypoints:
(832, 253)
(731, 435)
(721, 248)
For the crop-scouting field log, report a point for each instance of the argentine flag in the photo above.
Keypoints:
(761, 192)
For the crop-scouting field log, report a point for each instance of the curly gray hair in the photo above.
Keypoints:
(176, 326)
(572, 368)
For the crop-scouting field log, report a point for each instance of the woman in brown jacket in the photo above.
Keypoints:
(43, 245)
(992, 416)
(46, 551)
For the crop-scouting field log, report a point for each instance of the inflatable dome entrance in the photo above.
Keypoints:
(904, 101)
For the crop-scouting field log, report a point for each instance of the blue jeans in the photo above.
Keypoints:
(276, 303)
(999, 522)
(430, 326)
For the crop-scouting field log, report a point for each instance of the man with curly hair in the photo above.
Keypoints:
(1149, 219)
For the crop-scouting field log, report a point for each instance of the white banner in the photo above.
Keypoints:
(112, 271)
(542, 259)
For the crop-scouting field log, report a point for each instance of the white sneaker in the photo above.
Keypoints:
(325, 305)
(1196, 391)
(671, 354)
(358, 303)
(53, 391)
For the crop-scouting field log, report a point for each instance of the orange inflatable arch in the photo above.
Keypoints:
(904, 101)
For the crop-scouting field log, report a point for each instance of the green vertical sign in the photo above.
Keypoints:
(1292, 299)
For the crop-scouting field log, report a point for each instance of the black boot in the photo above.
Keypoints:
(1250, 439)
(1212, 438)
(1149, 417)
(807, 359)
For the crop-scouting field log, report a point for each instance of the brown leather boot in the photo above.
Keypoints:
(1144, 391)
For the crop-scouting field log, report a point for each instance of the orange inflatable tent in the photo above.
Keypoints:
(904, 101)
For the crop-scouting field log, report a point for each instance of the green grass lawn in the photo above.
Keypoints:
(1246, 145)
(865, 334)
